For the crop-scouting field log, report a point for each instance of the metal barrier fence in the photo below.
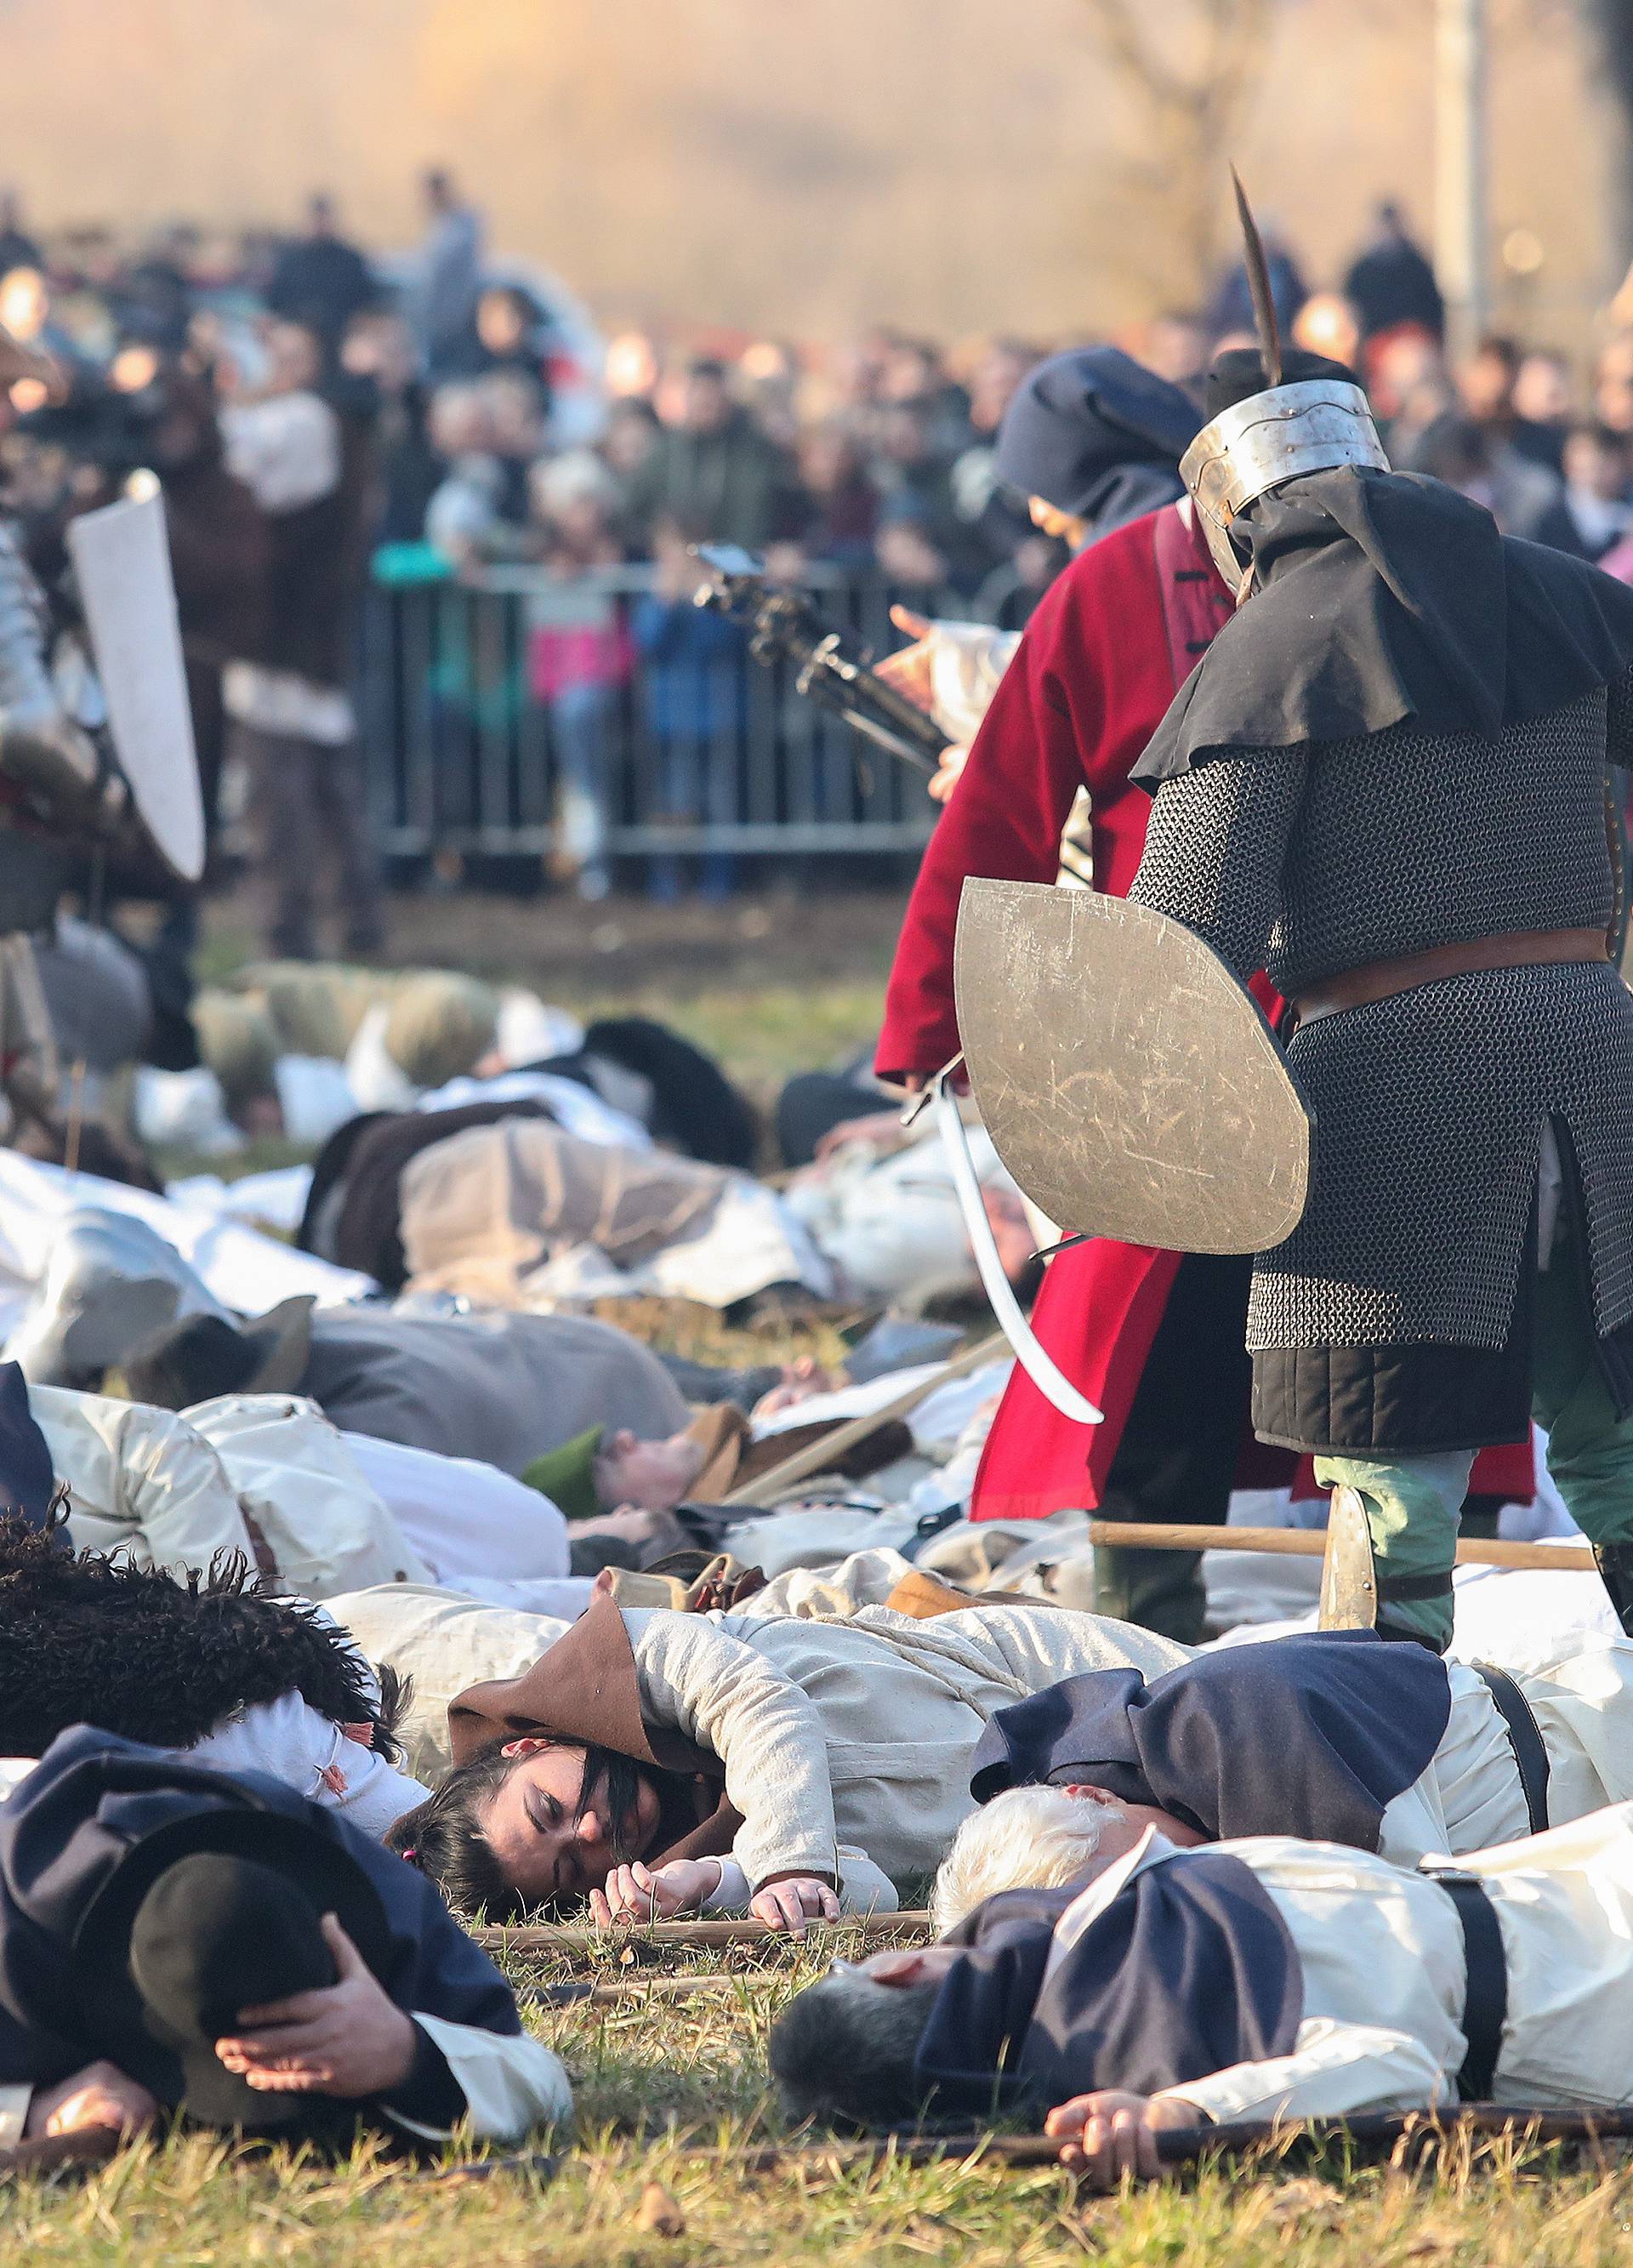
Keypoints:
(530, 715)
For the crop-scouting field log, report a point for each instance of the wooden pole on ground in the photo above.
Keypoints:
(817, 1456)
(1176, 2146)
(1311, 1543)
(577, 1937)
(1372, 2131)
(587, 1992)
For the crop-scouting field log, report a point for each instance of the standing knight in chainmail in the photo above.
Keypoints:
(1386, 785)
(59, 790)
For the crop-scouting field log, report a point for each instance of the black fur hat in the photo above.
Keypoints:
(88, 1639)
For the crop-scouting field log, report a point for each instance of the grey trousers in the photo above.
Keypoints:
(306, 814)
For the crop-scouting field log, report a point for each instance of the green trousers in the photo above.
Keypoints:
(1412, 1503)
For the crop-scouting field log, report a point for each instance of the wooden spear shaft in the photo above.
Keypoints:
(1311, 1543)
(1177, 2146)
(595, 1993)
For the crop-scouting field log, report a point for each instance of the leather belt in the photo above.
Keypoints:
(1485, 1994)
(1381, 980)
(1525, 1737)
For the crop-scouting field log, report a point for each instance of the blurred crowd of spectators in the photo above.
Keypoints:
(310, 408)
(1542, 437)
(879, 458)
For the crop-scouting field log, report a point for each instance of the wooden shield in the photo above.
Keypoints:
(1131, 1085)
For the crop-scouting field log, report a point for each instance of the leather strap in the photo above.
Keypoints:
(1525, 1737)
(1382, 980)
(1196, 605)
(1405, 1588)
(1485, 1996)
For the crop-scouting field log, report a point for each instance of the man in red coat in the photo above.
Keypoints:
(1155, 1340)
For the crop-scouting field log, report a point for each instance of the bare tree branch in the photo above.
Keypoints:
(1192, 78)
(1611, 24)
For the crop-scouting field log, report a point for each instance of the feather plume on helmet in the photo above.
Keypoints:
(1277, 417)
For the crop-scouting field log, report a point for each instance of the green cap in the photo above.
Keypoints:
(567, 1475)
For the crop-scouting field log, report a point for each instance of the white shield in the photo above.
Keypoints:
(121, 563)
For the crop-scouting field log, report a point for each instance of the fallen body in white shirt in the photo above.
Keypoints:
(1357, 1974)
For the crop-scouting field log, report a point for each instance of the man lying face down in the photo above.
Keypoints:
(1267, 1978)
(175, 1939)
(1336, 1736)
(654, 1762)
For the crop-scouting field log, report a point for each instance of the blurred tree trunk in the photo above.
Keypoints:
(1191, 82)
(1611, 23)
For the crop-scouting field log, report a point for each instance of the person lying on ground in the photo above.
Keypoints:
(792, 1767)
(606, 1467)
(500, 1388)
(1337, 1737)
(219, 1669)
(179, 1940)
(453, 1642)
(1261, 1979)
(509, 1209)
(269, 1478)
(610, 1469)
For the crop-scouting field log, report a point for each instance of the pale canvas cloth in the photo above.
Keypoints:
(490, 1212)
(242, 1267)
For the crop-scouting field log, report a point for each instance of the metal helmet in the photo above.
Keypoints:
(1274, 436)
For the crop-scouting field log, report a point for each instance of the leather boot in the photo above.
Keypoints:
(1615, 1562)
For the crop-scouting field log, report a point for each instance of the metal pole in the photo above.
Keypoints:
(1460, 170)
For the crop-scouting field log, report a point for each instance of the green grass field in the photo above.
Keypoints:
(672, 2101)
(662, 2167)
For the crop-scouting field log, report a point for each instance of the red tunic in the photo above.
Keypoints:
(1091, 681)
(1107, 649)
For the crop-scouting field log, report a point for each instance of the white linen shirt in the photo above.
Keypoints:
(1471, 1798)
(291, 1741)
(1384, 1975)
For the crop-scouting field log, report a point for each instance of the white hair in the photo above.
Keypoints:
(1026, 1838)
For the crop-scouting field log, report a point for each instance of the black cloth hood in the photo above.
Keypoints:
(1189, 1969)
(1097, 435)
(1385, 596)
(1239, 373)
(1309, 1736)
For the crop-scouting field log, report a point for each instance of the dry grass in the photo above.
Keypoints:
(672, 2102)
